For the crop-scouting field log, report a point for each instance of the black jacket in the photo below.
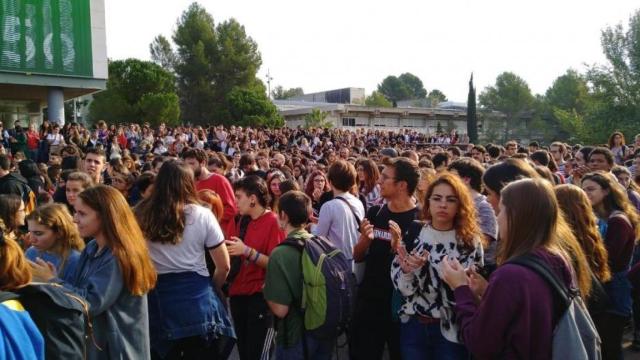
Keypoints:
(15, 184)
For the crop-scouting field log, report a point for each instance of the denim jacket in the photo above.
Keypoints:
(184, 305)
(120, 319)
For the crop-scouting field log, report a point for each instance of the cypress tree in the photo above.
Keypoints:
(472, 116)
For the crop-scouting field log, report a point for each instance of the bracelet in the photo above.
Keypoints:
(256, 258)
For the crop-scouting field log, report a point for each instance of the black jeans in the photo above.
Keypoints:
(194, 347)
(253, 323)
(372, 328)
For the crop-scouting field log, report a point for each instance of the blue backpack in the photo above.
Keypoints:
(329, 288)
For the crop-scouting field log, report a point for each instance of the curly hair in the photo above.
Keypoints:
(465, 222)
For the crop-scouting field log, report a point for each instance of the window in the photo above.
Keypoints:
(348, 121)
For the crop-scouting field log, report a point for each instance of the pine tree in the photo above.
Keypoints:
(472, 116)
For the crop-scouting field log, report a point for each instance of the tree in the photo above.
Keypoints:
(405, 87)
(414, 84)
(615, 97)
(568, 91)
(162, 53)
(376, 99)
(394, 89)
(436, 96)
(137, 90)
(212, 62)
(253, 108)
(472, 116)
(317, 119)
(279, 93)
(511, 96)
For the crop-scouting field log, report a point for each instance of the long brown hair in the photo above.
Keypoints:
(161, 216)
(57, 218)
(123, 236)
(465, 222)
(580, 217)
(535, 221)
(616, 199)
(372, 174)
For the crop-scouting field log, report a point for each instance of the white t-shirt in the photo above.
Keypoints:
(201, 231)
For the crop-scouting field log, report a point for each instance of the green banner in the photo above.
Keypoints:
(46, 37)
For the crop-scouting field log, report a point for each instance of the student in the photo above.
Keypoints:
(251, 317)
(512, 317)
(368, 175)
(471, 171)
(114, 275)
(428, 328)
(94, 163)
(54, 239)
(499, 175)
(283, 285)
(21, 339)
(317, 185)
(185, 314)
(373, 324)
(12, 214)
(582, 220)
(619, 226)
(76, 183)
(340, 217)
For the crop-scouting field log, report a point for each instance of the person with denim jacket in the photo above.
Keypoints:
(187, 319)
(113, 275)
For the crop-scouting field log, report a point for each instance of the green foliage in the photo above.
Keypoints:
(405, 87)
(436, 96)
(160, 108)
(511, 96)
(376, 99)
(472, 116)
(280, 93)
(212, 62)
(253, 108)
(317, 119)
(162, 53)
(414, 84)
(132, 86)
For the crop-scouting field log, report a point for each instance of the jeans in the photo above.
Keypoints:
(316, 350)
(422, 342)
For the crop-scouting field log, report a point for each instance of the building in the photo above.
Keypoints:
(424, 120)
(340, 96)
(50, 51)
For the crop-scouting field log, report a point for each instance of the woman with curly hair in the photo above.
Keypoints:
(451, 230)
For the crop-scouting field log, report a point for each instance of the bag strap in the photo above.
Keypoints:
(244, 224)
(358, 221)
(559, 289)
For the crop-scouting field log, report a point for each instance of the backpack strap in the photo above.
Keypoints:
(244, 225)
(358, 221)
(558, 288)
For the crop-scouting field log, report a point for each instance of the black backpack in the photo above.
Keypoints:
(61, 316)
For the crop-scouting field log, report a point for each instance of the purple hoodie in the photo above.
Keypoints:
(515, 318)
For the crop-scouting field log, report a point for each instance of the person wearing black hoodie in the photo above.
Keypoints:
(11, 182)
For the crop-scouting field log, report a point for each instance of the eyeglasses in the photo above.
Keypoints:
(318, 180)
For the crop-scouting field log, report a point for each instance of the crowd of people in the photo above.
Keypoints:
(173, 239)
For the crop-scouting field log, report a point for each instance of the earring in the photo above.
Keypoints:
(252, 205)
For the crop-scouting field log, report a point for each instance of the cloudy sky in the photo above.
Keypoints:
(330, 44)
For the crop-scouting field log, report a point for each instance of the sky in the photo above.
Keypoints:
(331, 44)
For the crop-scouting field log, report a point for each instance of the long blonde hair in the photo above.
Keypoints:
(123, 236)
(57, 218)
(15, 271)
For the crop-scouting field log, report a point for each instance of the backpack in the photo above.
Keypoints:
(60, 316)
(575, 336)
(329, 287)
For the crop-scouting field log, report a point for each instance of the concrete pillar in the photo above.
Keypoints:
(55, 101)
